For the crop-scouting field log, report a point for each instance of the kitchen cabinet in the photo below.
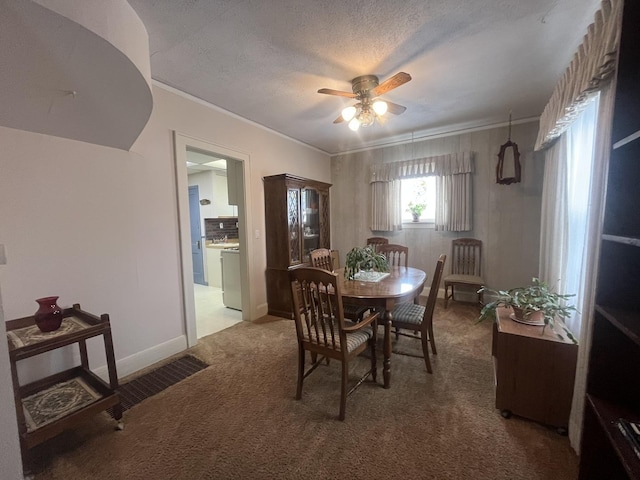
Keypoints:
(297, 218)
(613, 376)
(48, 406)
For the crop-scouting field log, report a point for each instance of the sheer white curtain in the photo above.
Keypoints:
(454, 196)
(565, 245)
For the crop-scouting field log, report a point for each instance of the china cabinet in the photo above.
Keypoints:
(297, 216)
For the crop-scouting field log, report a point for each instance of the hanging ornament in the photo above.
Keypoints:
(516, 161)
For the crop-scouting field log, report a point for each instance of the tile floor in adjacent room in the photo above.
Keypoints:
(211, 314)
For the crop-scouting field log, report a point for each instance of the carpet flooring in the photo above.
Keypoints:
(238, 419)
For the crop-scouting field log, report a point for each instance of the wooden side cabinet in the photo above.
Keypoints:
(53, 404)
(534, 371)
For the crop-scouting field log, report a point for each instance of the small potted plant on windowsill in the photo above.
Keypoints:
(364, 259)
(534, 304)
(416, 210)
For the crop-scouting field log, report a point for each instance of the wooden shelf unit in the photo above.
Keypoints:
(534, 371)
(613, 378)
(25, 340)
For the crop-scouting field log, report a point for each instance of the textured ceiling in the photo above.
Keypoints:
(264, 60)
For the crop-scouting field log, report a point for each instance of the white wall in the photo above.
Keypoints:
(506, 217)
(99, 226)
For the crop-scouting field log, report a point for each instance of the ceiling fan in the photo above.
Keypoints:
(367, 89)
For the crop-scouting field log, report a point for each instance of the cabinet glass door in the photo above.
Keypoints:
(310, 214)
(293, 218)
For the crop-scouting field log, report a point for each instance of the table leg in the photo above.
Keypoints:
(386, 363)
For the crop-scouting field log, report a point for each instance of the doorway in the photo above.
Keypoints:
(204, 309)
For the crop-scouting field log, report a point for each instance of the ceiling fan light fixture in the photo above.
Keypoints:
(348, 113)
(366, 117)
(380, 107)
(366, 89)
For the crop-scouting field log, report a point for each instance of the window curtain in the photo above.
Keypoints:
(589, 73)
(386, 214)
(454, 196)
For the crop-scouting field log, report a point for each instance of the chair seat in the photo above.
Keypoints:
(464, 279)
(354, 339)
(409, 313)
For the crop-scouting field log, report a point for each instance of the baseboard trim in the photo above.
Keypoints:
(137, 361)
(262, 310)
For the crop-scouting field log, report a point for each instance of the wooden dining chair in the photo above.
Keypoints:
(418, 318)
(466, 268)
(323, 258)
(323, 331)
(397, 255)
(374, 242)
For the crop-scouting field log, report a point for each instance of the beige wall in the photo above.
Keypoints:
(506, 218)
(99, 226)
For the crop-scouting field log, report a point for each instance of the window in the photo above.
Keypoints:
(446, 188)
(418, 191)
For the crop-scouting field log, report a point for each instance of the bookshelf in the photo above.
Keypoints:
(613, 379)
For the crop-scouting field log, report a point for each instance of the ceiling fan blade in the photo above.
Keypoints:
(339, 119)
(329, 91)
(398, 79)
(395, 108)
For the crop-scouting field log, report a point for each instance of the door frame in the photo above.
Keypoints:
(181, 143)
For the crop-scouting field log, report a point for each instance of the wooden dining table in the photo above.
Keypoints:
(403, 284)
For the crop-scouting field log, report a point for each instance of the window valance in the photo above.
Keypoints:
(593, 65)
(441, 165)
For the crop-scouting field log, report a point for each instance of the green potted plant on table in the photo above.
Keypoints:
(416, 210)
(534, 304)
(366, 259)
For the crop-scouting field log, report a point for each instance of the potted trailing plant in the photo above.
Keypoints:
(364, 258)
(535, 304)
(416, 210)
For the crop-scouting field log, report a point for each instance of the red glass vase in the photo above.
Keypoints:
(49, 315)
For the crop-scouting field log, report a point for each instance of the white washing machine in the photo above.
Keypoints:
(231, 289)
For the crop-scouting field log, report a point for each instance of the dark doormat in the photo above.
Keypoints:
(147, 385)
